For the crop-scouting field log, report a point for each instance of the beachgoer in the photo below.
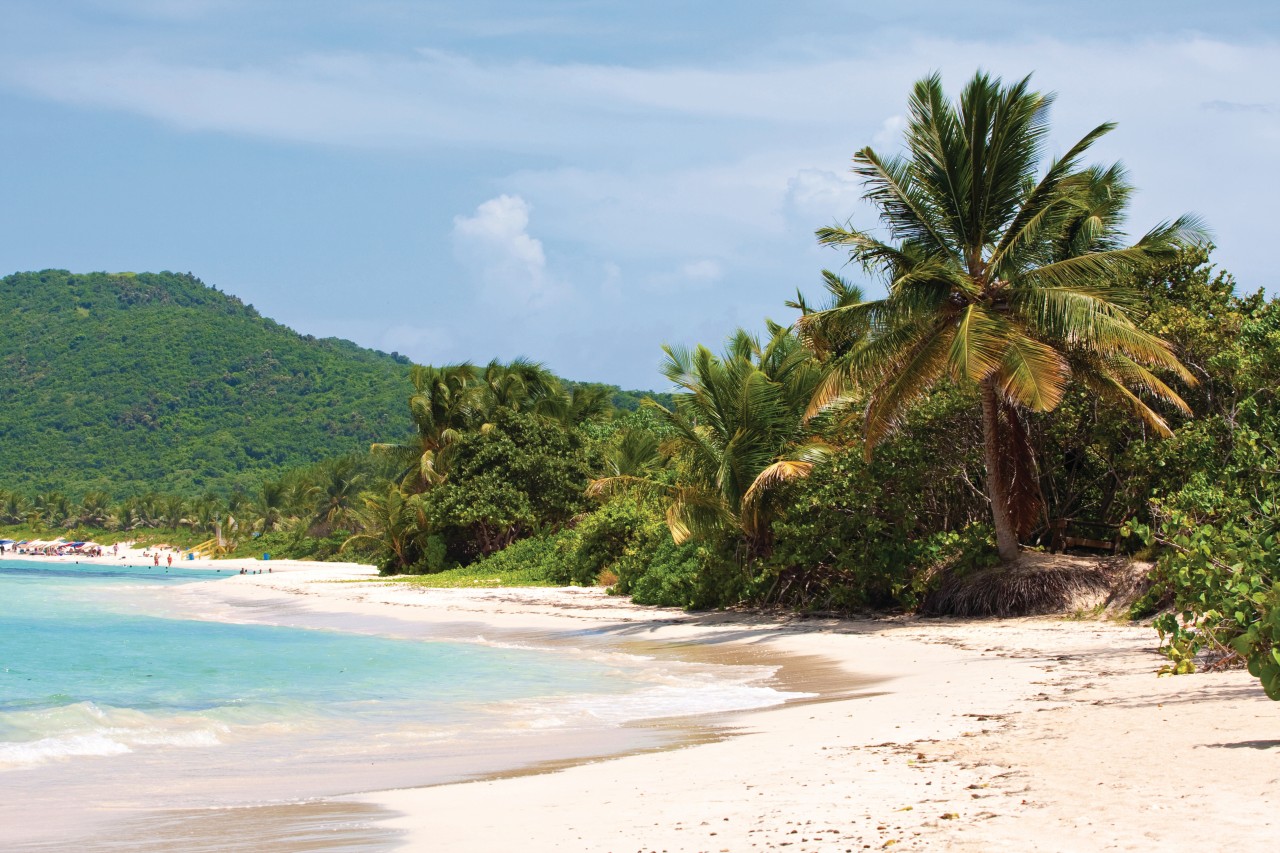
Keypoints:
(170, 558)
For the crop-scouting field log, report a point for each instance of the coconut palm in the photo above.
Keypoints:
(205, 512)
(334, 496)
(172, 512)
(13, 507)
(575, 405)
(1001, 276)
(94, 509)
(519, 386)
(269, 504)
(446, 401)
(633, 452)
(53, 507)
(125, 516)
(736, 435)
(395, 521)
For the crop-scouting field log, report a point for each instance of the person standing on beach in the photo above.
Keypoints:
(170, 558)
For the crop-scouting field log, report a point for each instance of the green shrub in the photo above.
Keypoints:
(624, 526)
(1221, 561)
(537, 558)
(860, 535)
(694, 575)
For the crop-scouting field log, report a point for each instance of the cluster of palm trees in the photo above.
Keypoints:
(321, 498)
(447, 403)
(1002, 275)
(450, 401)
(736, 432)
(372, 498)
(54, 510)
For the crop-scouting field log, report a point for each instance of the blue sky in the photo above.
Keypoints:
(574, 181)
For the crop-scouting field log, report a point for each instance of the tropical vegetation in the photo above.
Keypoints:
(1000, 274)
(1030, 379)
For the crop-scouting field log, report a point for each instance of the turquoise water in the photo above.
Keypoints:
(80, 678)
(109, 705)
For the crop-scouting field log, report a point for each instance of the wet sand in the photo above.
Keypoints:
(994, 735)
(937, 735)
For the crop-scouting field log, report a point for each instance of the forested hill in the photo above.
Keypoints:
(133, 382)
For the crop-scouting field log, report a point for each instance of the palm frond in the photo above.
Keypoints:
(1110, 388)
(606, 487)
(1134, 375)
(779, 473)
(1035, 209)
(836, 386)
(1032, 374)
(978, 345)
(911, 379)
(889, 187)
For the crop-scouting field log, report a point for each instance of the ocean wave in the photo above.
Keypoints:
(85, 729)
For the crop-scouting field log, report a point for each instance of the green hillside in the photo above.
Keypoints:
(137, 382)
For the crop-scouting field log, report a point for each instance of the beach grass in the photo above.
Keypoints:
(475, 577)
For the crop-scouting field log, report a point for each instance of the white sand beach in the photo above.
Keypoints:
(1043, 734)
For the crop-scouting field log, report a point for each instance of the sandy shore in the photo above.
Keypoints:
(1000, 735)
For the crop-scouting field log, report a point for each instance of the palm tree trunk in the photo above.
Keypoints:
(997, 488)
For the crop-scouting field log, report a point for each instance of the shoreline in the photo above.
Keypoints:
(932, 734)
(975, 735)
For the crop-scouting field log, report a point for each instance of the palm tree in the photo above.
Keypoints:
(575, 405)
(125, 516)
(634, 452)
(173, 512)
(94, 509)
(269, 504)
(54, 508)
(1001, 276)
(149, 509)
(736, 435)
(13, 507)
(519, 386)
(395, 521)
(334, 496)
(446, 402)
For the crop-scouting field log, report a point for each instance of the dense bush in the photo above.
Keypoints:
(622, 530)
(520, 476)
(1220, 566)
(536, 559)
(695, 575)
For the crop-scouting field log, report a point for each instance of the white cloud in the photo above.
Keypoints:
(716, 158)
(702, 271)
(890, 133)
(495, 242)
(820, 196)
(712, 175)
(435, 97)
